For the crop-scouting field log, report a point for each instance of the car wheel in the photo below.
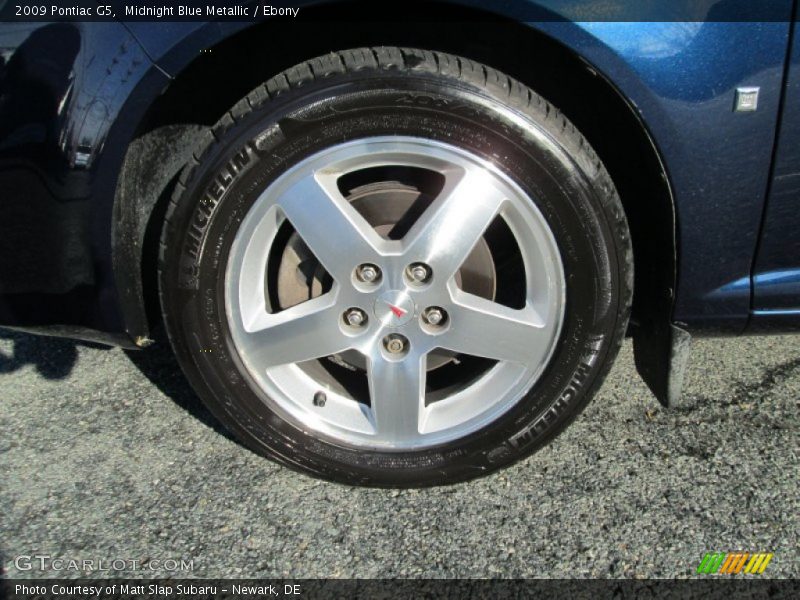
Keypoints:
(395, 267)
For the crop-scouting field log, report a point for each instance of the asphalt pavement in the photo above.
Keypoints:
(107, 455)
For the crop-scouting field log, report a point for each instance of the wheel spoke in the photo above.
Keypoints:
(334, 231)
(480, 327)
(397, 395)
(303, 332)
(449, 229)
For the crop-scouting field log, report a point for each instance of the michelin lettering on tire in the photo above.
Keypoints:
(242, 160)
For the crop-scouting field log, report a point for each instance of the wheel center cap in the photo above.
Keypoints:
(394, 308)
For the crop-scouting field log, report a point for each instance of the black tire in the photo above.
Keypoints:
(386, 91)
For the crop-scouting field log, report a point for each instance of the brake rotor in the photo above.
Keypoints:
(390, 208)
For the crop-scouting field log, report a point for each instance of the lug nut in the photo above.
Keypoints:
(395, 344)
(434, 316)
(418, 272)
(368, 273)
(355, 317)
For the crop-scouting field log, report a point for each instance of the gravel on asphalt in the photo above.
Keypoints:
(107, 454)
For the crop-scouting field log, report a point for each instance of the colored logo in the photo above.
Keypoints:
(394, 308)
(733, 563)
(398, 312)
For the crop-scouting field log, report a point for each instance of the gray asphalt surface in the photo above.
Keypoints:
(107, 455)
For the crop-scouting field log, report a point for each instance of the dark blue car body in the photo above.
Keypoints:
(722, 188)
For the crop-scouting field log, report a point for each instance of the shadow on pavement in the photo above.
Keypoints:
(159, 365)
(53, 358)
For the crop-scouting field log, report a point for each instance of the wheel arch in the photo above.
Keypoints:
(176, 119)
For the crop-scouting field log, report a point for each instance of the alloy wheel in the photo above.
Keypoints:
(394, 333)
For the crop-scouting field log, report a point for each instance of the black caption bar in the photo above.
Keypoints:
(307, 589)
(406, 10)
(137, 10)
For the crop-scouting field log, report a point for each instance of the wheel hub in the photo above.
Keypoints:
(384, 205)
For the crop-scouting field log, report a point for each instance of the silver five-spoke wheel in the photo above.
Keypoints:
(366, 308)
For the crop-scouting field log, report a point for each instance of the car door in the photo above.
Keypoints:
(776, 276)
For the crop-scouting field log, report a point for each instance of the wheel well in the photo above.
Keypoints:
(591, 102)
